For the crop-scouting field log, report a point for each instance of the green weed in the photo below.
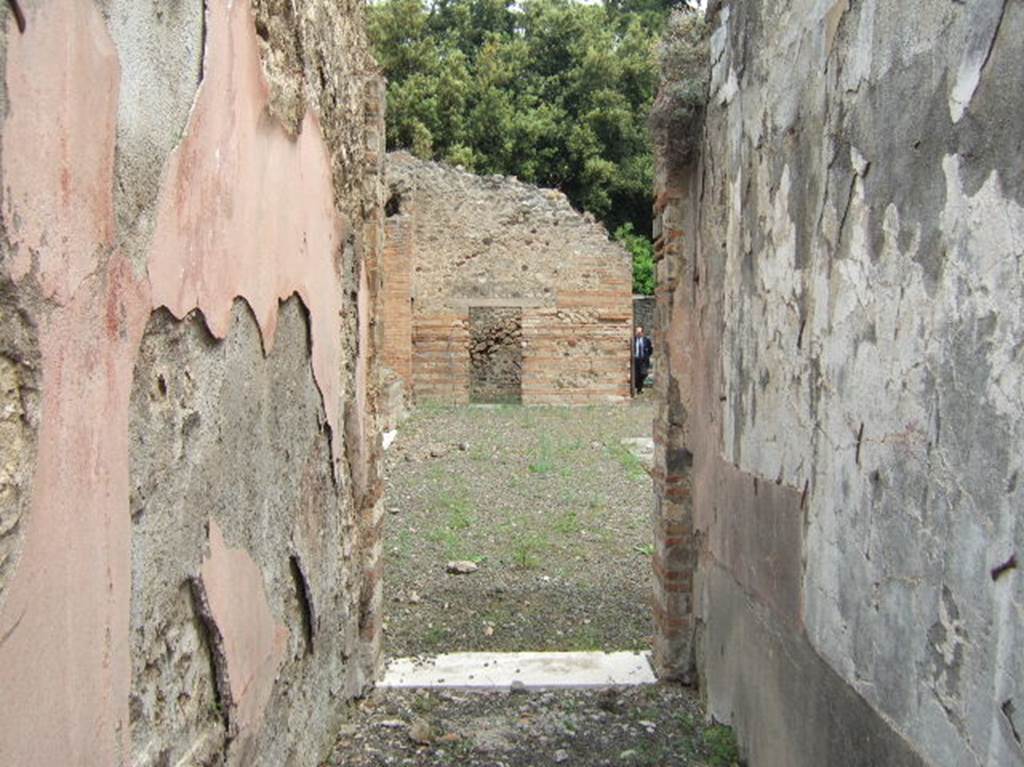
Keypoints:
(403, 545)
(567, 523)
(526, 550)
(585, 637)
(686, 721)
(544, 462)
(632, 465)
(424, 704)
(449, 540)
(720, 745)
(457, 510)
(433, 637)
(645, 549)
(479, 453)
(460, 515)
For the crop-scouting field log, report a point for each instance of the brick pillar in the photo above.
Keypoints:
(675, 550)
(369, 505)
(396, 303)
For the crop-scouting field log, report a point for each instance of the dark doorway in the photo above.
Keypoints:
(495, 354)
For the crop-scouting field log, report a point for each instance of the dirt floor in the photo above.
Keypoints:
(655, 726)
(551, 509)
(547, 502)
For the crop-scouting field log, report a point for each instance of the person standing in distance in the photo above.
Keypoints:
(642, 350)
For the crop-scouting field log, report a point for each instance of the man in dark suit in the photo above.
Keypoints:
(642, 350)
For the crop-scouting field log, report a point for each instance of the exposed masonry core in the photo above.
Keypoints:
(461, 248)
(189, 472)
(840, 436)
(495, 354)
(19, 423)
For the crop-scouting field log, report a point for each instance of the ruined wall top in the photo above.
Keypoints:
(484, 238)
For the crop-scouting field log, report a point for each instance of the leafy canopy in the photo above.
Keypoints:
(555, 92)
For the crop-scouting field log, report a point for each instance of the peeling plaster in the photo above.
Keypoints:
(884, 341)
(254, 643)
(762, 325)
(870, 361)
(72, 581)
(988, 230)
(244, 211)
(833, 18)
(58, 169)
(985, 17)
(228, 224)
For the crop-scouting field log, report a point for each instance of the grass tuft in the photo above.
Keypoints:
(526, 550)
(720, 746)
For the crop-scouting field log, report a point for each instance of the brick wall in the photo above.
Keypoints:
(675, 550)
(495, 242)
(396, 298)
(440, 361)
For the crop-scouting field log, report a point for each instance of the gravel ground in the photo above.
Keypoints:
(550, 505)
(554, 510)
(659, 725)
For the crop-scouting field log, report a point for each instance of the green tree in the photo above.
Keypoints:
(555, 92)
(642, 250)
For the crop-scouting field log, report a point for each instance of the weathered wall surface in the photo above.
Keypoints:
(841, 440)
(396, 296)
(643, 312)
(189, 490)
(495, 353)
(490, 242)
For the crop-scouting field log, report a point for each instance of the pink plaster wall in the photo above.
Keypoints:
(254, 642)
(64, 667)
(58, 146)
(247, 211)
(244, 211)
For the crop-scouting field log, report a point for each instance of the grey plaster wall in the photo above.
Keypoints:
(160, 46)
(854, 291)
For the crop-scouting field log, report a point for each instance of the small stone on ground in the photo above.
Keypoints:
(462, 567)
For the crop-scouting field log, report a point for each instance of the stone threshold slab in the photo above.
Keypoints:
(528, 670)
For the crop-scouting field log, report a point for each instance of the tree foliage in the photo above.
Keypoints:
(555, 92)
(642, 250)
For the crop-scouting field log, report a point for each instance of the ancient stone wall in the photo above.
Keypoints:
(840, 440)
(189, 487)
(476, 243)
